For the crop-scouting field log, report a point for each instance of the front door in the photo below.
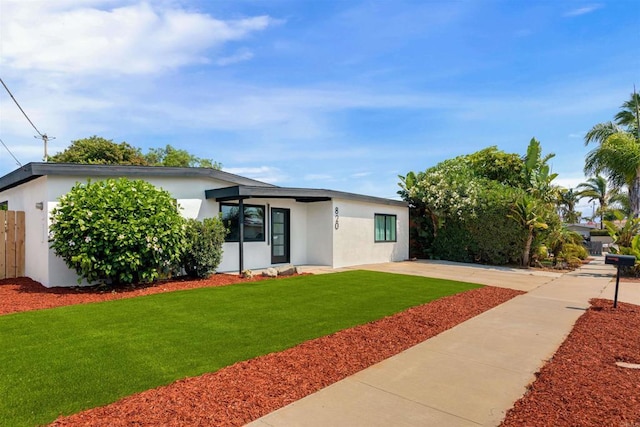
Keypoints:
(279, 236)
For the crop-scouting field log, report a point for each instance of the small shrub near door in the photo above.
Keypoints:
(118, 231)
(204, 247)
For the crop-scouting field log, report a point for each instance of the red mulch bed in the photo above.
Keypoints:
(582, 385)
(245, 391)
(23, 294)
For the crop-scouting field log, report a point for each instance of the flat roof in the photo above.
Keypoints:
(304, 195)
(35, 170)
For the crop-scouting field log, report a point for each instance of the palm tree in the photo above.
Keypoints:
(567, 201)
(629, 115)
(619, 158)
(596, 189)
(618, 153)
(619, 202)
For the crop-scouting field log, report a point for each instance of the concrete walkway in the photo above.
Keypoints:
(471, 374)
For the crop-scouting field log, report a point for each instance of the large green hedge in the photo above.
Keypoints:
(118, 231)
(460, 209)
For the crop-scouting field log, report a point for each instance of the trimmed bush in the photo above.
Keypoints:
(204, 246)
(117, 231)
(598, 232)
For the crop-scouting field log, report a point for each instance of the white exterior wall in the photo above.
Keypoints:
(314, 239)
(354, 241)
(320, 233)
(189, 193)
(257, 255)
(24, 198)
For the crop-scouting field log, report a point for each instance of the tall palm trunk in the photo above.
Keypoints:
(634, 195)
(527, 249)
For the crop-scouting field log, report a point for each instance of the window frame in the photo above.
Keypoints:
(388, 219)
(246, 206)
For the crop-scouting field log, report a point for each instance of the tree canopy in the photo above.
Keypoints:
(489, 207)
(170, 156)
(617, 155)
(97, 150)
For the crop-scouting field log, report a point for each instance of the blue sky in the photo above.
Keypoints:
(343, 95)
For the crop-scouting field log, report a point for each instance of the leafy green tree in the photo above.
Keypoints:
(496, 165)
(618, 152)
(173, 157)
(99, 151)
(118, 231)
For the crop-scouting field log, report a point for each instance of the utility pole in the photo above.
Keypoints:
(45, 139)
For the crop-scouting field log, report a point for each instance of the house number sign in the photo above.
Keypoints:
(337, 224)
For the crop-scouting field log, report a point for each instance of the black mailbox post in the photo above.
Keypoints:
(619, 261)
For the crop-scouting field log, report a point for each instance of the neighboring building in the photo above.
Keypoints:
(582, 228)
(281, 225)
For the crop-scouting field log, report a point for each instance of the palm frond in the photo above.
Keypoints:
(600, 132)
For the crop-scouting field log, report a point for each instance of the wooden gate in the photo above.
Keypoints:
(11, 244)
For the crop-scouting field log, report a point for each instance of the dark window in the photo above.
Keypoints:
(385, 228)
(4, 206)
(253, 222)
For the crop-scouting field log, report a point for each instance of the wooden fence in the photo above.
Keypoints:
(11, 244)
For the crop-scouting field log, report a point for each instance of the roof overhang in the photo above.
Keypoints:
(303, 195)
(35, 170)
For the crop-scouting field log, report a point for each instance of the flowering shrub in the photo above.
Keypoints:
(204, 249)
(117, 231)
(459, 212)
(448, 190)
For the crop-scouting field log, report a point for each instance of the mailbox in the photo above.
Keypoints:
(620, 260)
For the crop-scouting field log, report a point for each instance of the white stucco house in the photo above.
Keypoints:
(279, 225)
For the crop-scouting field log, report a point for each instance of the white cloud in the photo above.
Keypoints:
(583, 10)
(135, 38)
(240, 56)
(360, 174)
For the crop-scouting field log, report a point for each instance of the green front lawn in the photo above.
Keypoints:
(64, 360)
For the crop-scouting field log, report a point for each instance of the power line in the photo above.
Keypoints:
(16, 101)
(9, 151)
(43, 136)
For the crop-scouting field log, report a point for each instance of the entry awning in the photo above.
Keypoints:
(303, 195)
